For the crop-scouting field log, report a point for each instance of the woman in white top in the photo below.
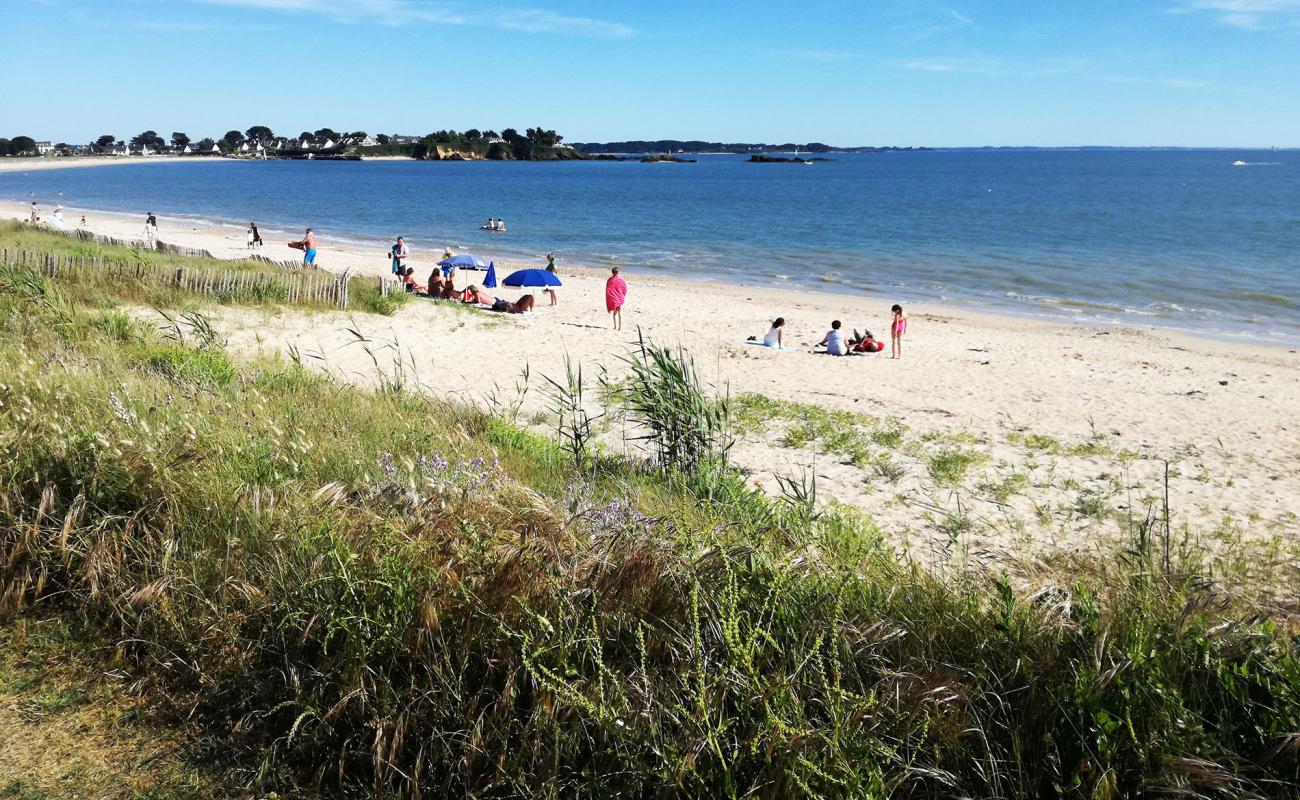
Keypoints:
(774, 337)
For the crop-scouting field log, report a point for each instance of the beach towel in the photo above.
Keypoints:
(615, 293)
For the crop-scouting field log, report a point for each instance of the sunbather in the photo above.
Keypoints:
(520, 306)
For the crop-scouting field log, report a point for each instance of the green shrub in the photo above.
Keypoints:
(187, 365)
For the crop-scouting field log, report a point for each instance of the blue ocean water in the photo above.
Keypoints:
(1180, 238)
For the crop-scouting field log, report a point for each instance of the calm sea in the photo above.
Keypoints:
(1179, 238)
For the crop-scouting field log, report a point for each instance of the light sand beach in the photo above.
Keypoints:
(997, 436)
(68, 162)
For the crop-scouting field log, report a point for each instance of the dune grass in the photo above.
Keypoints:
(384, 594)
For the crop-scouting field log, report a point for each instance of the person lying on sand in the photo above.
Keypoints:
(865, 343)
(522, 305)
(449, 292)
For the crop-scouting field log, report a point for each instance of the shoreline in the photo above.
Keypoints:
(353, 252)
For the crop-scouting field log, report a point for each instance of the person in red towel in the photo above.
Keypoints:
(615, 295)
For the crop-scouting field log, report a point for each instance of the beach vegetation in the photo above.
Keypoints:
(949, 464)
(343, 602)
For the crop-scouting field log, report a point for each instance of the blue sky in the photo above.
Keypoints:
(903, 72)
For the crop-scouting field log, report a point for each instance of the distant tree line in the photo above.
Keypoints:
(540, 144)
(18, 146)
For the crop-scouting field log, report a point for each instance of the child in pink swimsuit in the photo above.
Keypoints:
(896, 330)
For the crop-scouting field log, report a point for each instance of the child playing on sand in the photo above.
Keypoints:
(897, 327)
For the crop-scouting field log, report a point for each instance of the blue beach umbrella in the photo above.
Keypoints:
(490, 282)
(532, 277)
(463, 261)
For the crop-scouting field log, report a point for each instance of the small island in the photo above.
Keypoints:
(759, 159)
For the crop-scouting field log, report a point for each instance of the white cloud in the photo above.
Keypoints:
(1247, 14)
(405, 12)
(962, 18)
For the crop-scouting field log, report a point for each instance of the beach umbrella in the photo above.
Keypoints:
(532, 277)
(490, 282)
(463, 261)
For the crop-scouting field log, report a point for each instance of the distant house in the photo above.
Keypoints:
(327, 144)
(369, 141)
(118, 150)
(404, 140)
(306, 143)
(44, 148)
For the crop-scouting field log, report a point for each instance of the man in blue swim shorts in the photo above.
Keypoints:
(309, 249)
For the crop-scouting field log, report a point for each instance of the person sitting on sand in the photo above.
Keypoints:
(449, 292)
(834, 341)
(435, 283)
(521, 306)
(865, 343)
(474, 294)
(776, 335)
(408, 280)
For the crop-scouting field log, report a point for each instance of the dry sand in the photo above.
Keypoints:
(1064, 429)
(66, 162)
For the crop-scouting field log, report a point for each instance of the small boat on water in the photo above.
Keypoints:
(1239, 163)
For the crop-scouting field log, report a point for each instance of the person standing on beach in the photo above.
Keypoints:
(254, 237)
(550, 267)
(36, 213)
(151, 231)
(309, 249)
(897, 327)
(615, 296)
(307, 244)
(399, 254)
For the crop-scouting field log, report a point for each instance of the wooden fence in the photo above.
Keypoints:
(168, 249)
(296, 286)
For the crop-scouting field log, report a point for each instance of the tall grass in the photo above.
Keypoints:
(664, 396)
(448, 609)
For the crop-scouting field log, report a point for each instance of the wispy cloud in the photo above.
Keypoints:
(962, 18)
(971, 66)
(1080, 67)
(166, 26)
(824, 56)
(1147, 80)
(396, 13)
(1250, 15)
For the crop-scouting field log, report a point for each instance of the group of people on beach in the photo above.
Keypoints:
(442, 286)
(837, 345)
